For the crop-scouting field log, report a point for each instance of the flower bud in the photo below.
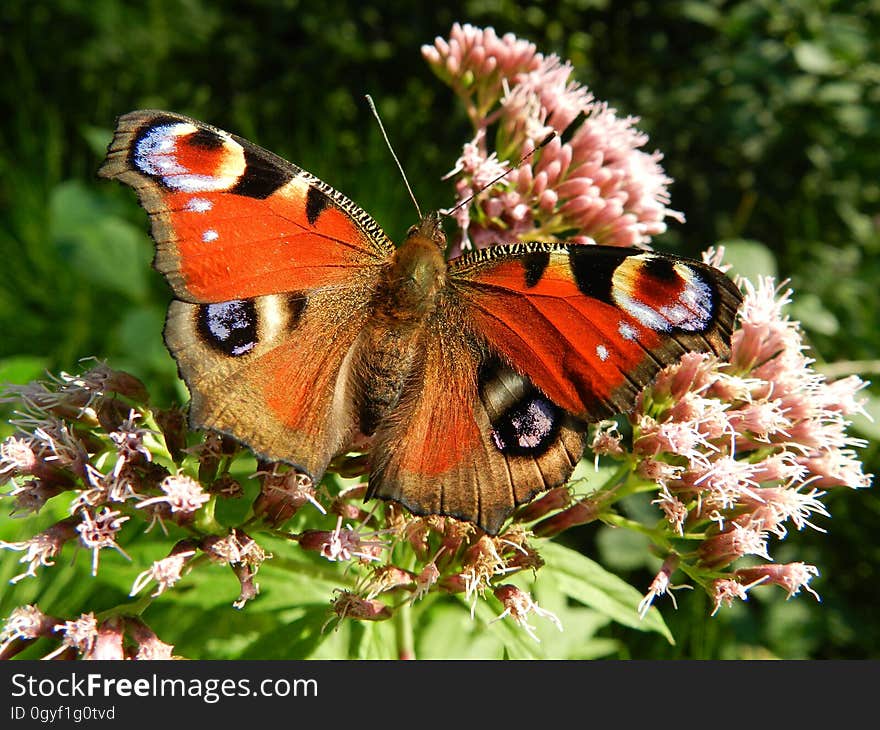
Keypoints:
(580, 513)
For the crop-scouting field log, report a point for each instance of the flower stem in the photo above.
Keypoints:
(132, 608)
(404, 631)
(658, 537)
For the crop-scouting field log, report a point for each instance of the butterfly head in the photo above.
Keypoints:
(430, 228)
(418, 269)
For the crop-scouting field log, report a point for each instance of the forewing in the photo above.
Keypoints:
(233, 221)
(591, 325)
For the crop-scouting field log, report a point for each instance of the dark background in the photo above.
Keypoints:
(765, 110)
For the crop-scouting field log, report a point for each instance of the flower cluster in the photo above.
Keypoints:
(86, 637)
(547, 160)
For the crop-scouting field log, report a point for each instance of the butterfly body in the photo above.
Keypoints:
(406, 296)
(300, 329)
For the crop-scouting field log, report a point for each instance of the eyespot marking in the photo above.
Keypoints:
(527, 428)
(230, 327)
(663, 294)
(184, 157)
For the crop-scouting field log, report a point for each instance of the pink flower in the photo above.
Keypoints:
(166, 572)
(183, 494)
(31, 494)
(792, 576)
(597, 187)
(349, 605)
(108, 641)
(733, 542)
(475, 62)
(283, 494)
(129, 441)
(675, 511)
(726, 591)
(17, 457)
(342, 543)
(42, 548)
(555, 499)
(426, 580)
(518, 604)
(580, 513)
(235, 548)
(24, 624)
(660, 586)
(149, 647)
(606, 440)
(98, 531)
(739, 452)
(386, 578)
(79, 634)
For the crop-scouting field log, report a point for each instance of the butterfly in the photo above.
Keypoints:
(301, 330)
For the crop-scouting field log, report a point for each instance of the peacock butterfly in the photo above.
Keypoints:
(300, 329)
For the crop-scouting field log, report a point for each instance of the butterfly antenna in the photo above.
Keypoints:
(391, 149)
(543, 143)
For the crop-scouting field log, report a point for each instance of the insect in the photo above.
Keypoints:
(301, 330)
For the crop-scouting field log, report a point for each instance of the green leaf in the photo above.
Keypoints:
(750, 259)
(588, 582)
(21, 369)
(445, 630)
(809, 310)
(623, 550)
(813, 58)
(293, 639)
(102, 248)
(97, 138)
(372, 640)
(140, 332)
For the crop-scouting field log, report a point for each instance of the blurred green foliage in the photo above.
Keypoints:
(766, 112)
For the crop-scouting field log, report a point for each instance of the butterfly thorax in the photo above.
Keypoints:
(408, 294)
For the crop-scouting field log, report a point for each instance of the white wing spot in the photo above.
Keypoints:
(602, 352)
(694, 313)
(627, 331)
(198, 205)
(210, 235)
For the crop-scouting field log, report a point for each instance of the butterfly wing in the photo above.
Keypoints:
(232, 220)
(531, 342)
(272, 270)
(452, 447)
(592, 325)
